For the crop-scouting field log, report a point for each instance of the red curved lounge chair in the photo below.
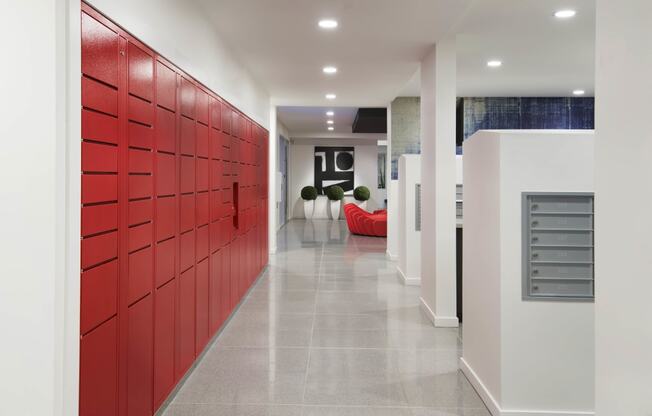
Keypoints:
(362, 222)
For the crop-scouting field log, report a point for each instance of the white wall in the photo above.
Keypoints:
(623, 206)
(438, 244)
(39, 208)
(179, 31)
(409, 239)
(545, 361)
(302, 170)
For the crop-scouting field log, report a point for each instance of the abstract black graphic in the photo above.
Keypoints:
(334, 166)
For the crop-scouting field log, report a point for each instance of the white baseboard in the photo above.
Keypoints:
(391, 256)
(480, 388)
(439, 321)
(494, 407)
(408, 281)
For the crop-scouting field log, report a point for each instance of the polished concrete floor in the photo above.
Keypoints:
(328, 330)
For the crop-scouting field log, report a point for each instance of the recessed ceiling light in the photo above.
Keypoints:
(578, 92)
(565, 14)
(331, 128)
(331, 96)
(330, 113)
(328, 23)
(329, 122)
(494, 64)
(329, 70)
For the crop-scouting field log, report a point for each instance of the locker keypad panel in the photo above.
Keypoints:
(558, 247)
(174, 225)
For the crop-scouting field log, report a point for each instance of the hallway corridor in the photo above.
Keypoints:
(329, 330)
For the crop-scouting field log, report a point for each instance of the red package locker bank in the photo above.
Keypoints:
(168, 235)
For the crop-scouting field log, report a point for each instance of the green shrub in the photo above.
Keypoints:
(309, 193)
(335, 193)
(361, 193)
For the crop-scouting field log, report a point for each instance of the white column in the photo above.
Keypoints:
(438, 93)
(39, 208)
(272, 169)
(392, 194)
(623, 206)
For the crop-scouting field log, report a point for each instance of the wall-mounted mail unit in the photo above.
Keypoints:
(557, 246)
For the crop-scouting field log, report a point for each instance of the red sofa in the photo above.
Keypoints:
(362, 222)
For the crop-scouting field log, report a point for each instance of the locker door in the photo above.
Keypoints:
(202, 306)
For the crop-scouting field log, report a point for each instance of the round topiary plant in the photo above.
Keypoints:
(335, 193)
(309, 193)
(361, 193)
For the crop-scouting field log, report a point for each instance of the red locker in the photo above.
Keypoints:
(226, 283)
(186, 340)
(187, 139)
(98, 371)
(99, 295)
(164, 340)
(202, 242)
(187, 179)
(173, 218)
(99, 127)
(165, 132)
(187, 98)
(166, 86)
(141, 73)
(166, 174)
(202, 306)
(165, 262)
(203, 208)
(98, 218)
(216, 115)
(202, 107)
(166, 209)
(201, 140)
(141, 273)
(215, 292)
(140, 211)
(187, 250)
(187, 217)
(202, 174)
(140, 358)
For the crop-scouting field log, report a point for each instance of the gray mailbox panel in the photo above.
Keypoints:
(558, 246)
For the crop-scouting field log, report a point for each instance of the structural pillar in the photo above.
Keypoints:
(438, 221)
(623, 203)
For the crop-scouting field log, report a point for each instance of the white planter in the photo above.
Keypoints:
(362, 204)
(335, 209)
(308, 208)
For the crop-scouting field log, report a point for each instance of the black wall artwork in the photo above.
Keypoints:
(334, 166)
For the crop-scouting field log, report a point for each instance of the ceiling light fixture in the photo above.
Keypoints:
(578, 92)
(494, 64)
(331, 96)
(329, 70)
(331, 128)
(330, 113)
(328, 24)
(565, 14)
(330, 122)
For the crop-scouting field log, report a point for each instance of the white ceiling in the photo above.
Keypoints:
(310, 123)
(379, 45)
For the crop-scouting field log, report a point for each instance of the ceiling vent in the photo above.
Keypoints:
(370, 120)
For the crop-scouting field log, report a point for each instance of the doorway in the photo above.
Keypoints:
(283, 171)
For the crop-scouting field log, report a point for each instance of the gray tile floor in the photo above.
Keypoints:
(328, 330)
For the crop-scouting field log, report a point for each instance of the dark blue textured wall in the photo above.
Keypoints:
(525, 113)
